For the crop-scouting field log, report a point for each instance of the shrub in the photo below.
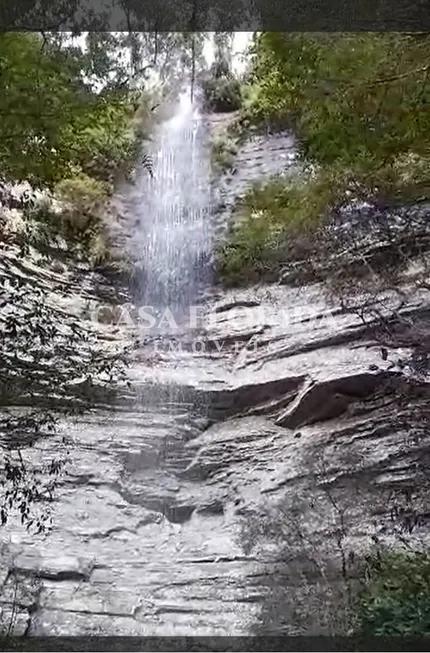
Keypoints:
(271, 218)
(71, 219)
(98, 248)
(396, 597)
(222, 94)
(82, 198)
(249, 257)
(222, 154)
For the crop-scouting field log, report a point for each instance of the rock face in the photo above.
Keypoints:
(231, 489)
(259, 158)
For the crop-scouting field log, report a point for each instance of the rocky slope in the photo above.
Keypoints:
(232, 489)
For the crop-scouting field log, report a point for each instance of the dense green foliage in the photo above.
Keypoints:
(268, 219)
(396, 598)
(358, 101)
(222, 94)
(221, 90)
(66, 120)
(54, 123)
(359, 104)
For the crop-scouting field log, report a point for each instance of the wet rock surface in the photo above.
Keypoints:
(210, 499)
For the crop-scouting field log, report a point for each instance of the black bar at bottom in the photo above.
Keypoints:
(268, 643)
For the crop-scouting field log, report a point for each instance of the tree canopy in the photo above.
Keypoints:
(53, 120)
(359, 103)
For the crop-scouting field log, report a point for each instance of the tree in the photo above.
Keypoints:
(222, 92)
(63, 108)
(395, 600)
(223, 43)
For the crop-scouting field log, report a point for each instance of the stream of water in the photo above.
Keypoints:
(173, 238)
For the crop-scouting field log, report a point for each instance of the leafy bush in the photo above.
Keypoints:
(222, 154)
(71, 219)
(396, 598)
(106, 140)
(80, 221)
(99, 251)
(271, 218)
(82, 198)
(250, 256)
(222, 94)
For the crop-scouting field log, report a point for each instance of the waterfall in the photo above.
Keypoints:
(173, 237)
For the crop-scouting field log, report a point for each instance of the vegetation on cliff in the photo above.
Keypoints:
(359, 106)
(395, 599)
(67, 127)
(56, 120)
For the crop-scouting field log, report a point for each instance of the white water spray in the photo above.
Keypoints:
(173, 237)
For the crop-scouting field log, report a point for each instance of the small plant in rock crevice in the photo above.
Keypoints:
(223, 152)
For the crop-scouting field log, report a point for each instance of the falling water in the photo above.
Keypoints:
(173, 237)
